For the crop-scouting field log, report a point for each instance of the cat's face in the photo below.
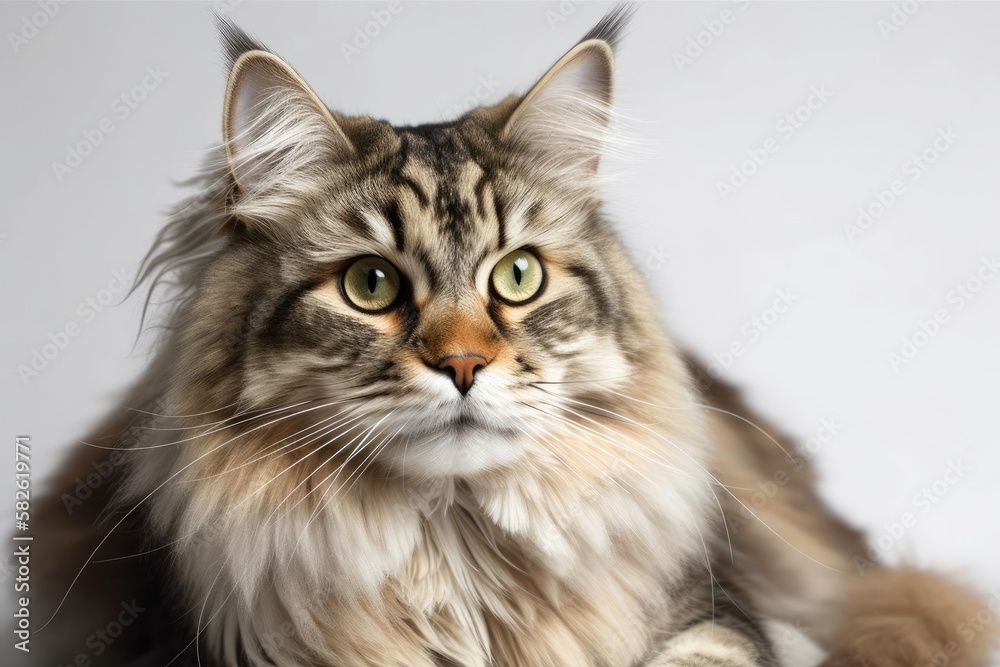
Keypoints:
(442, 300)
(439, 299)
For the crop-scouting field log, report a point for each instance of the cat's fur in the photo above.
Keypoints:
(323, 495)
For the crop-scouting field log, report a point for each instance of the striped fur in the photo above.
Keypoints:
(539, 520)
(327, 497)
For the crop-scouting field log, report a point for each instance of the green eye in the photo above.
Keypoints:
(371, 284)
(517, 277)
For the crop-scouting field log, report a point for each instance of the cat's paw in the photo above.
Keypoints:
(708, 645)
(711, 659)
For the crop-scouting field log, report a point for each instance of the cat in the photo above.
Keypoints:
(415, 408)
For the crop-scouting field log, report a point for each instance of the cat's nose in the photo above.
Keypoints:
(462, 368)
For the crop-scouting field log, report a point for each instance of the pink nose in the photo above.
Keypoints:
(462, 369)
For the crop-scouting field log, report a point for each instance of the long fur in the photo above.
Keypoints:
(323, 496)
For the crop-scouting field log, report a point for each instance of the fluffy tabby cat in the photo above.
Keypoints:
(415, 408)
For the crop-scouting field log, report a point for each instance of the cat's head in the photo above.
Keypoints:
(445, 298)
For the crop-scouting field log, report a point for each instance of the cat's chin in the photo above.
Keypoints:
(460, 448)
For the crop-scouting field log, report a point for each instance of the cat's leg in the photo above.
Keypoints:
(714, 644)
(712, 625)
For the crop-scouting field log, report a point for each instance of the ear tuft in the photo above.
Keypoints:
(562, 123)
(611, 28)
(235, 41)
(277, 132)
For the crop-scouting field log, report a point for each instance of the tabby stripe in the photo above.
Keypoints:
(422, 197)
(433, 277)
(477, 190)
(272, 325)
(495, 310)
(399, 178)
(395, 221)
(500, 210)
(359, 225)
(454, 214)
(604, 307)
(531, 216)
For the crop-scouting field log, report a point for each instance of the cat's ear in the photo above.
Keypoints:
(274, 126)
(563, 120)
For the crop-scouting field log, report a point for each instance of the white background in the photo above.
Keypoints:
(826, 357)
